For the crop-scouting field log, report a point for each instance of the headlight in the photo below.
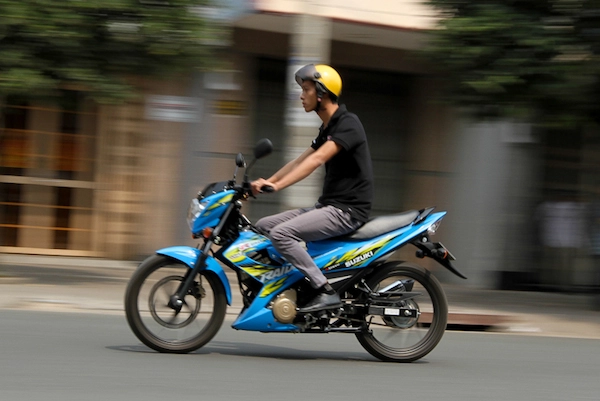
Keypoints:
(195, 210)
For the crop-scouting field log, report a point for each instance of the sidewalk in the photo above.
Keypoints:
(51, 283)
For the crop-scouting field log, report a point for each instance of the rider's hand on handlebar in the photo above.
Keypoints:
(261, 185)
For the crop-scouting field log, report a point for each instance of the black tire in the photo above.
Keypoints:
(157, 325)
(399, 339)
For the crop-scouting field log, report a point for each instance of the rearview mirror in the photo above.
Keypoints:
(263, 148)
(239, 160)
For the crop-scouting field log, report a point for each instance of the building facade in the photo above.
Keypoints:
(83, 180)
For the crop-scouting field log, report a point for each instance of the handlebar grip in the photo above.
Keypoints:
(267, 189)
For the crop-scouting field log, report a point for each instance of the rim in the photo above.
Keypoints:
(163, 323)
(398, 334)
(165, 316)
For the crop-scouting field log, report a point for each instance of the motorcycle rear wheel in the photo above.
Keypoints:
(156, 324)
(405, 339)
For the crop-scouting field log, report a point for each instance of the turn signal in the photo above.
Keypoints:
(207, 232)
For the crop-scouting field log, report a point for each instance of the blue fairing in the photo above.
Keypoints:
(189, 255)
(259, 317)
(215, 205)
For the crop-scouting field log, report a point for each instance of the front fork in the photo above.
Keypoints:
(176, 301)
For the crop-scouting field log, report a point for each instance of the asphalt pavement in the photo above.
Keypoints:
(88, 357)
(73, 284)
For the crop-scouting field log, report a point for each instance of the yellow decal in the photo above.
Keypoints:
(272, 287)
(256, 270)
(355, 256)
(235, 257)
(331, 262)
(226, 199)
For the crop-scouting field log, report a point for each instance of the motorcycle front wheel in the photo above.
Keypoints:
(409, 328)
(159, 326)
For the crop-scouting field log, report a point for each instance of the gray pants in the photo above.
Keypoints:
(287, 229)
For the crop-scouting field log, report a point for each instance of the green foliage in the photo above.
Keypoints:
(95, 45)
(533, 59)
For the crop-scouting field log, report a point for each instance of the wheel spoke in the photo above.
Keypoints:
(174, 317)
(167, 293)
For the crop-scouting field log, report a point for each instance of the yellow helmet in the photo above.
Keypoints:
(326, 78)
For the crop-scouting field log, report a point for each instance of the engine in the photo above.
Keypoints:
(284, 306)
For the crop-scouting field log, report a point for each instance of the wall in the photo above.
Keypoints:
(406, 14)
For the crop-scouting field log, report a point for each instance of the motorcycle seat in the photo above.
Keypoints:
(383, 224)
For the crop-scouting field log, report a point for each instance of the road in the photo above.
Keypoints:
(75, 356)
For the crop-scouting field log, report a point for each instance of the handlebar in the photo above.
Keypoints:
(246, 191)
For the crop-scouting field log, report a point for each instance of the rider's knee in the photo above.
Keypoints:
(278, 234)
(262, 224)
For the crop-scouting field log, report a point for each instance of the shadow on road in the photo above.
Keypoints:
(261, 351)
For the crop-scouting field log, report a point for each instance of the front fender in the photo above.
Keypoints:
(189, 255)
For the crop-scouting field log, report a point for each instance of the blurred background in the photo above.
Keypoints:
(115, 113)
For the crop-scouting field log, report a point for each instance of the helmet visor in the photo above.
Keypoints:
(308, 72)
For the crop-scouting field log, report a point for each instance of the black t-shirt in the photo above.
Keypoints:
(349, 174)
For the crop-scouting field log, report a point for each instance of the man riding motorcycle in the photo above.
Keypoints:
(345, 202)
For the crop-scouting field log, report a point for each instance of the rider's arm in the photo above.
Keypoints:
(290, 166)
(259, 183)
(308, 162)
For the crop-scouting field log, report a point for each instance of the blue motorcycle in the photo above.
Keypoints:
(176, 299)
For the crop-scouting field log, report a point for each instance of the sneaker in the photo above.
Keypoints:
(321, 302)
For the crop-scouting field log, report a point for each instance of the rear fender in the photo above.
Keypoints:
(189, 255)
